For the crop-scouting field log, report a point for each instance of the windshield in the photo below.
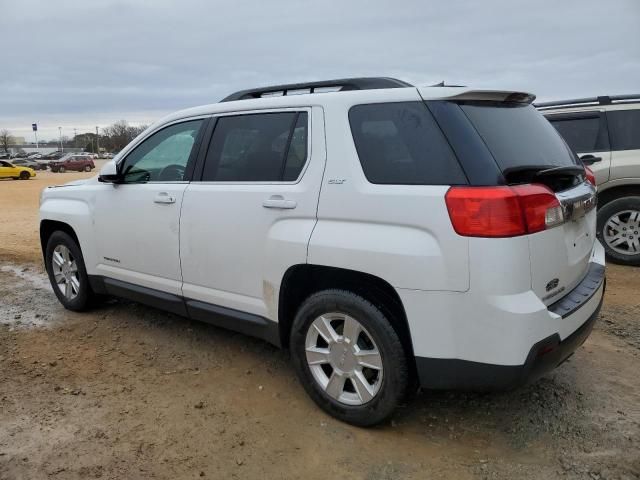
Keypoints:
(518, 136)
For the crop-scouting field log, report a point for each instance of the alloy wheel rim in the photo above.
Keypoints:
(65, 272)
(344, 359)
(622, 232)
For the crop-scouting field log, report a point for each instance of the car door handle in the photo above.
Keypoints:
(278, 201)
(164, 197)
(590, 159)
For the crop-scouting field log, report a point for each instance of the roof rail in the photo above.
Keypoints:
(579, 102)
(342, 84)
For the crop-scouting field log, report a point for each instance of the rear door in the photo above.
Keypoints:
(587, 135)
(249, 214)
(523, 142)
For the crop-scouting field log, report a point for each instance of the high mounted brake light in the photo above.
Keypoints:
(505, 211)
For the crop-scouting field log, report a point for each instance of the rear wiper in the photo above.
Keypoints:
(560, 171)
(528, 172)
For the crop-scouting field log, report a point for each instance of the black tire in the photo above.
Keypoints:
(604, 214)
(395, 380)
(24, 175)
(61, 169)
(87, 168)
(85, 296)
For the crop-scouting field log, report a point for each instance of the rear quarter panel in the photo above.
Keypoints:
(400, 233)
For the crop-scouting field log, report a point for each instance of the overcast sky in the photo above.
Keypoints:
(78, 64)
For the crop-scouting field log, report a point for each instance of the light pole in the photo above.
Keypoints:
(60, 133)
(75, 137)
(97, 142)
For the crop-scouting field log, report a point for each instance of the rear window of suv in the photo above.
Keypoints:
(400, 143)
(518, 135)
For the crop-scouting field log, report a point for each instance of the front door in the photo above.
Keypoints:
(587, 135)
(137, 222)
(251, 215)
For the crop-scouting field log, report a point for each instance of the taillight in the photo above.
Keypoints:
(590, 175)
(502, 211)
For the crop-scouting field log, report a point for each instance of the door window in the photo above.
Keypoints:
(582, 134)
(625, 129)
(162, 157)
(265, 147)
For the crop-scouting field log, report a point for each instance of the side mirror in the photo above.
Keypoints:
(109, 173)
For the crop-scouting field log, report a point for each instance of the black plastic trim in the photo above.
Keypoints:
(364, 83)
(230, 319)
(577, 102)
(581, 294)
(545, 355)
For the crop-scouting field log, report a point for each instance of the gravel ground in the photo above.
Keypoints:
(127, 391)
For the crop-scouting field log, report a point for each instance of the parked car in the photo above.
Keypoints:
(106, 155)
(77, 162)
(35, 156)
(388, 235)
(54, 155)
(605, 133)
(25, 162)
(90, 155)
(6, 155)
(9, 170)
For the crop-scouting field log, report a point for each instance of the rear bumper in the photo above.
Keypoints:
(585, 301)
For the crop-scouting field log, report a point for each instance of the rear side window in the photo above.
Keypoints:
(583, 134)
(400, 143)
(266, 147)
(624, 126)
(518, 135)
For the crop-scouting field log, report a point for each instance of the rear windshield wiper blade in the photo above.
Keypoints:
(524, 172)
(560, 171)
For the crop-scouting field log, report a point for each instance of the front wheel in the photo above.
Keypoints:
(87, 168)
(24, 176)
(348, 357)
(619, 230)
(67, 272)
(61, 169)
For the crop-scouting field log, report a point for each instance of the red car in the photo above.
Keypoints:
(77, 162)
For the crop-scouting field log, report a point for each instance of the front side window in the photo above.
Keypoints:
(400, 143)
(163, 156)
(625, 129)
(265, 147)
(583, 134)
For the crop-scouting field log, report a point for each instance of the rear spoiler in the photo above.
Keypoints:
(494, 96)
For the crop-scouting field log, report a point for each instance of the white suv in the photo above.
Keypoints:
(387, 235)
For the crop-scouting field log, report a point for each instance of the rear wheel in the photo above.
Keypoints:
(348, 357)
(61, 169)
(24, 176)
(619, 230)
(67, 272)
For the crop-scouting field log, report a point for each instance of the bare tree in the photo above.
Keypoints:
(5, 139)
(118, 135)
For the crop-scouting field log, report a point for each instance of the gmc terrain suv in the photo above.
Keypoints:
(605, 133)
(388, 235)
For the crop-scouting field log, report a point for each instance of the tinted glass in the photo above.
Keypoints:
(624, 126)
(297, 154)
(163, 156)
(400, 143)
(518, 135)
(585, 134)
(262, 147)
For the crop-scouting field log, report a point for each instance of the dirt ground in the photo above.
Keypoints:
(127, 392)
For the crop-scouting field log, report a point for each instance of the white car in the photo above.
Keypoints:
(388, 235)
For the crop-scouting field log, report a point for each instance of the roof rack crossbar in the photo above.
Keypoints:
(602, 100)
(365, 83)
